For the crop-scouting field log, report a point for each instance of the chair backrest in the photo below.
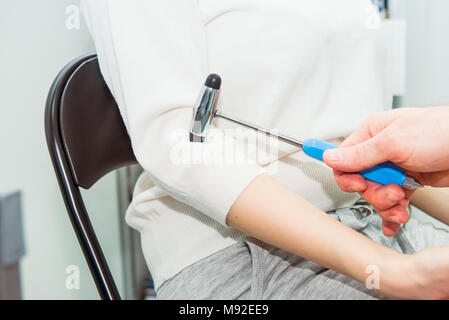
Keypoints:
(86, 138)
(92, 129)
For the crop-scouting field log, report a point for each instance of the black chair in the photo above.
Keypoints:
(87, 139)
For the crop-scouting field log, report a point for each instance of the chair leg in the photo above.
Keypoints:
(91, 248)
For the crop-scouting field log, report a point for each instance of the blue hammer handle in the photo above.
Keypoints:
(384, 173)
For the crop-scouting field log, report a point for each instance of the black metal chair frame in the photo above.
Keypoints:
(66, 147)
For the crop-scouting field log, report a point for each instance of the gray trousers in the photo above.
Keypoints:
(252, 269)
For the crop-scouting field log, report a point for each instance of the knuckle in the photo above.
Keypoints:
(380, 145)
(373, 118)
(363, 154)
(359, 153)
(377, 199)
(386, 216)
(388, 144)
(368, 196)
(346, 188)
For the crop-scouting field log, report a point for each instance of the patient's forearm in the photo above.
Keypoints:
(274, 214)
(433, 201)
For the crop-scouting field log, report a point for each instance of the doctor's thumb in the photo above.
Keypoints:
(355, 158)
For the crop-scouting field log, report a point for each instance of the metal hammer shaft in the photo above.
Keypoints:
(281, 137)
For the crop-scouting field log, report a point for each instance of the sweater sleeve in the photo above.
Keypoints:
(153, 56)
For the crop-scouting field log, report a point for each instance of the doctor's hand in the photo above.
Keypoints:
(415, 139)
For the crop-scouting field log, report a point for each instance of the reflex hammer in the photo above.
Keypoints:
(205, 110)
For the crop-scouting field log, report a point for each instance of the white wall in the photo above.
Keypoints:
(427, 78)
(427, 50)
(35, 45)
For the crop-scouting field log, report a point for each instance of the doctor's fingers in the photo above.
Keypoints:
(390, 201)
(376, 123)
(397, 214)
(350, 182)
(390, 228)
(381, 197)
(363, 155)
(370, 127)
(384, 197)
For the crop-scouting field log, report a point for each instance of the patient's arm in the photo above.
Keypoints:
(272, 213)
(433, 201)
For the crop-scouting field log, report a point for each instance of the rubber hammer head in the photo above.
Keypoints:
(205, 108)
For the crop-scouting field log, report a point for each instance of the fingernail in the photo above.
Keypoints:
(333, 155)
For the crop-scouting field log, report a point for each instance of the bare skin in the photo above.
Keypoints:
(276, 215)
(434, 201)
(416, 140)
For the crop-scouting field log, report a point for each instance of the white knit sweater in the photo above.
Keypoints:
(309, 68)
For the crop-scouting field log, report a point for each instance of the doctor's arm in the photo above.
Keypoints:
(274, 214)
